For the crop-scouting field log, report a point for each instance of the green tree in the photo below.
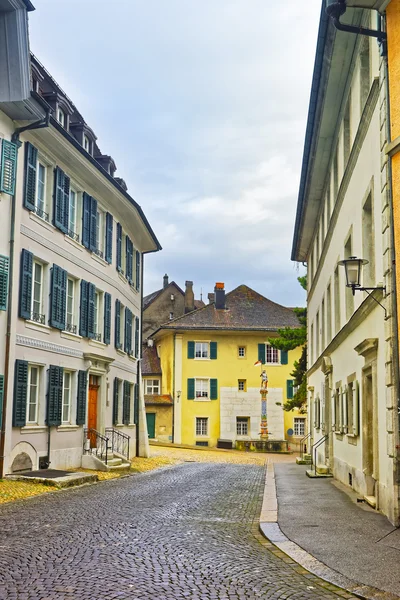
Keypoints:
(289, 339)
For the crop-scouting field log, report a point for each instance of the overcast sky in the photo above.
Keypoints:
(203, 106)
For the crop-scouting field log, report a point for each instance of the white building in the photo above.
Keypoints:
(72, 244)
(344, 210)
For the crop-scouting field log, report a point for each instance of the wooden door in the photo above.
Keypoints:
(151, 425)
(92, 412)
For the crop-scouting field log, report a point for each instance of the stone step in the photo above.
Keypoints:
(306, 460)
(371, 500)
(114, 462)
(322, 469)
(124, 466)
(315, 475)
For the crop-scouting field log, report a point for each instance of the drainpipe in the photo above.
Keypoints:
(336, 8)
(138, 377)
(173, 393)
(15, 139)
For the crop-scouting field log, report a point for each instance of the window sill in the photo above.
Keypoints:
(101, 261)
(202, 359)
(33, 429)
(41, 221)
(97, 344)
(68, 427)
(352, 435)
(75, 337)
(37, 326)
(202, 399)
(73, 242)
(121, 352)
(122, 277)
(132, 358)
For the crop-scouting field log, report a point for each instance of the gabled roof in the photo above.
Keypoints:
(245, 310)
(147, 300)
(150, 361)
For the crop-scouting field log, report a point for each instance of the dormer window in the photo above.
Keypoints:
(61, 117)
(86, 143)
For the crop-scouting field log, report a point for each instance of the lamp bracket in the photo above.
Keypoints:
(368, 290)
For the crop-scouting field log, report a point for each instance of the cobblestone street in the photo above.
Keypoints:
(188, 531)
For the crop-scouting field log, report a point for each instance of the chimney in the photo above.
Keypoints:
(165, 281)
(211, 298)
(189, 296)
(219, 291)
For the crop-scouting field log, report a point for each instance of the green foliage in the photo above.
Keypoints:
(288, 339)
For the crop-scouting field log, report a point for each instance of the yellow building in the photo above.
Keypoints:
(208, 367)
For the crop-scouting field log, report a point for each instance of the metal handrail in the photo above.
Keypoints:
(119, 441)
(98, 444)
(303, 439)
(314, 450)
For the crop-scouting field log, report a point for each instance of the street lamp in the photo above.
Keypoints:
(352, 268)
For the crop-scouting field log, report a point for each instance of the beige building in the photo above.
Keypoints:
(344, 210)
(71, 249)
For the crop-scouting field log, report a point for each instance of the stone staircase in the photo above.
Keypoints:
(319, 472)
(304, 460)
(97, 463)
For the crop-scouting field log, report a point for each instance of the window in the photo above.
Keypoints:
(171, 316)
(99, 233)
(348, 291)
(202, 388)
(272, 355)
(70, 325)
(98, 301)
(242, 425)
(241, 385)
(152, 386)
(201, 426)
(66, 398)
(201, 350)
(72, 213)
(86, 143)
(350, 407)
(338, 416)
(242, 351)
(368, 242)
(61, 118)
(37, 295)
(33, 394)
(40, 204)
(328, 314)
(299, 426)
(336, 291)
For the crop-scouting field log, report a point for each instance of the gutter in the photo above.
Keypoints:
(318, 66)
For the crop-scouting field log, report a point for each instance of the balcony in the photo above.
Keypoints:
(74, 236)
(42, 214)
(38, 318)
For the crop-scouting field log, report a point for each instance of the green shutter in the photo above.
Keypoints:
(54, 396)
(128, 331)
(262, 353)
(117, 332)
(4, 268)
(284, 357)
(109, 234)
(137, 336)
(1, 399)
(138, 261)
(213, 350)
(289, 389)
(9, 152)
(190, 350)
(213, 389)
(91, 305)
(61, 200)
(20, 393)
(115, 401)
(86, 204)
(25, 289)
(107, 318)
(31, 154)
(58, 297)
(81, 398)
(119, 247)
(136, 404)
(93, 225)
(128, 259)
(83, 309)
(126, 405)
(190, 389)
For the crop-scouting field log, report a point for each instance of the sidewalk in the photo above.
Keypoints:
(323, 517)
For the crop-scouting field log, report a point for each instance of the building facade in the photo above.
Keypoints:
(208, 367)
(344, 210)
(72, 249)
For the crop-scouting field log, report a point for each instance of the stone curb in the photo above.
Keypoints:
(270, 529)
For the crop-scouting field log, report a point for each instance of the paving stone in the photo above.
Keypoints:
(186, 532)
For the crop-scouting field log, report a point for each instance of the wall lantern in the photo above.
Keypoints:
(178, 395)
(353, 267)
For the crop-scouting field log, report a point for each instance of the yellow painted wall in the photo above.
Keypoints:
(393, 31)
(227, 369)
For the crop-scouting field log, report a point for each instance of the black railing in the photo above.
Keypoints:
(38, 318)
(314, 451)
(119, 441)
(98, 252)
(71, 233)
(95, 443)
(303, 445)
(70, 328)
(41, 213)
